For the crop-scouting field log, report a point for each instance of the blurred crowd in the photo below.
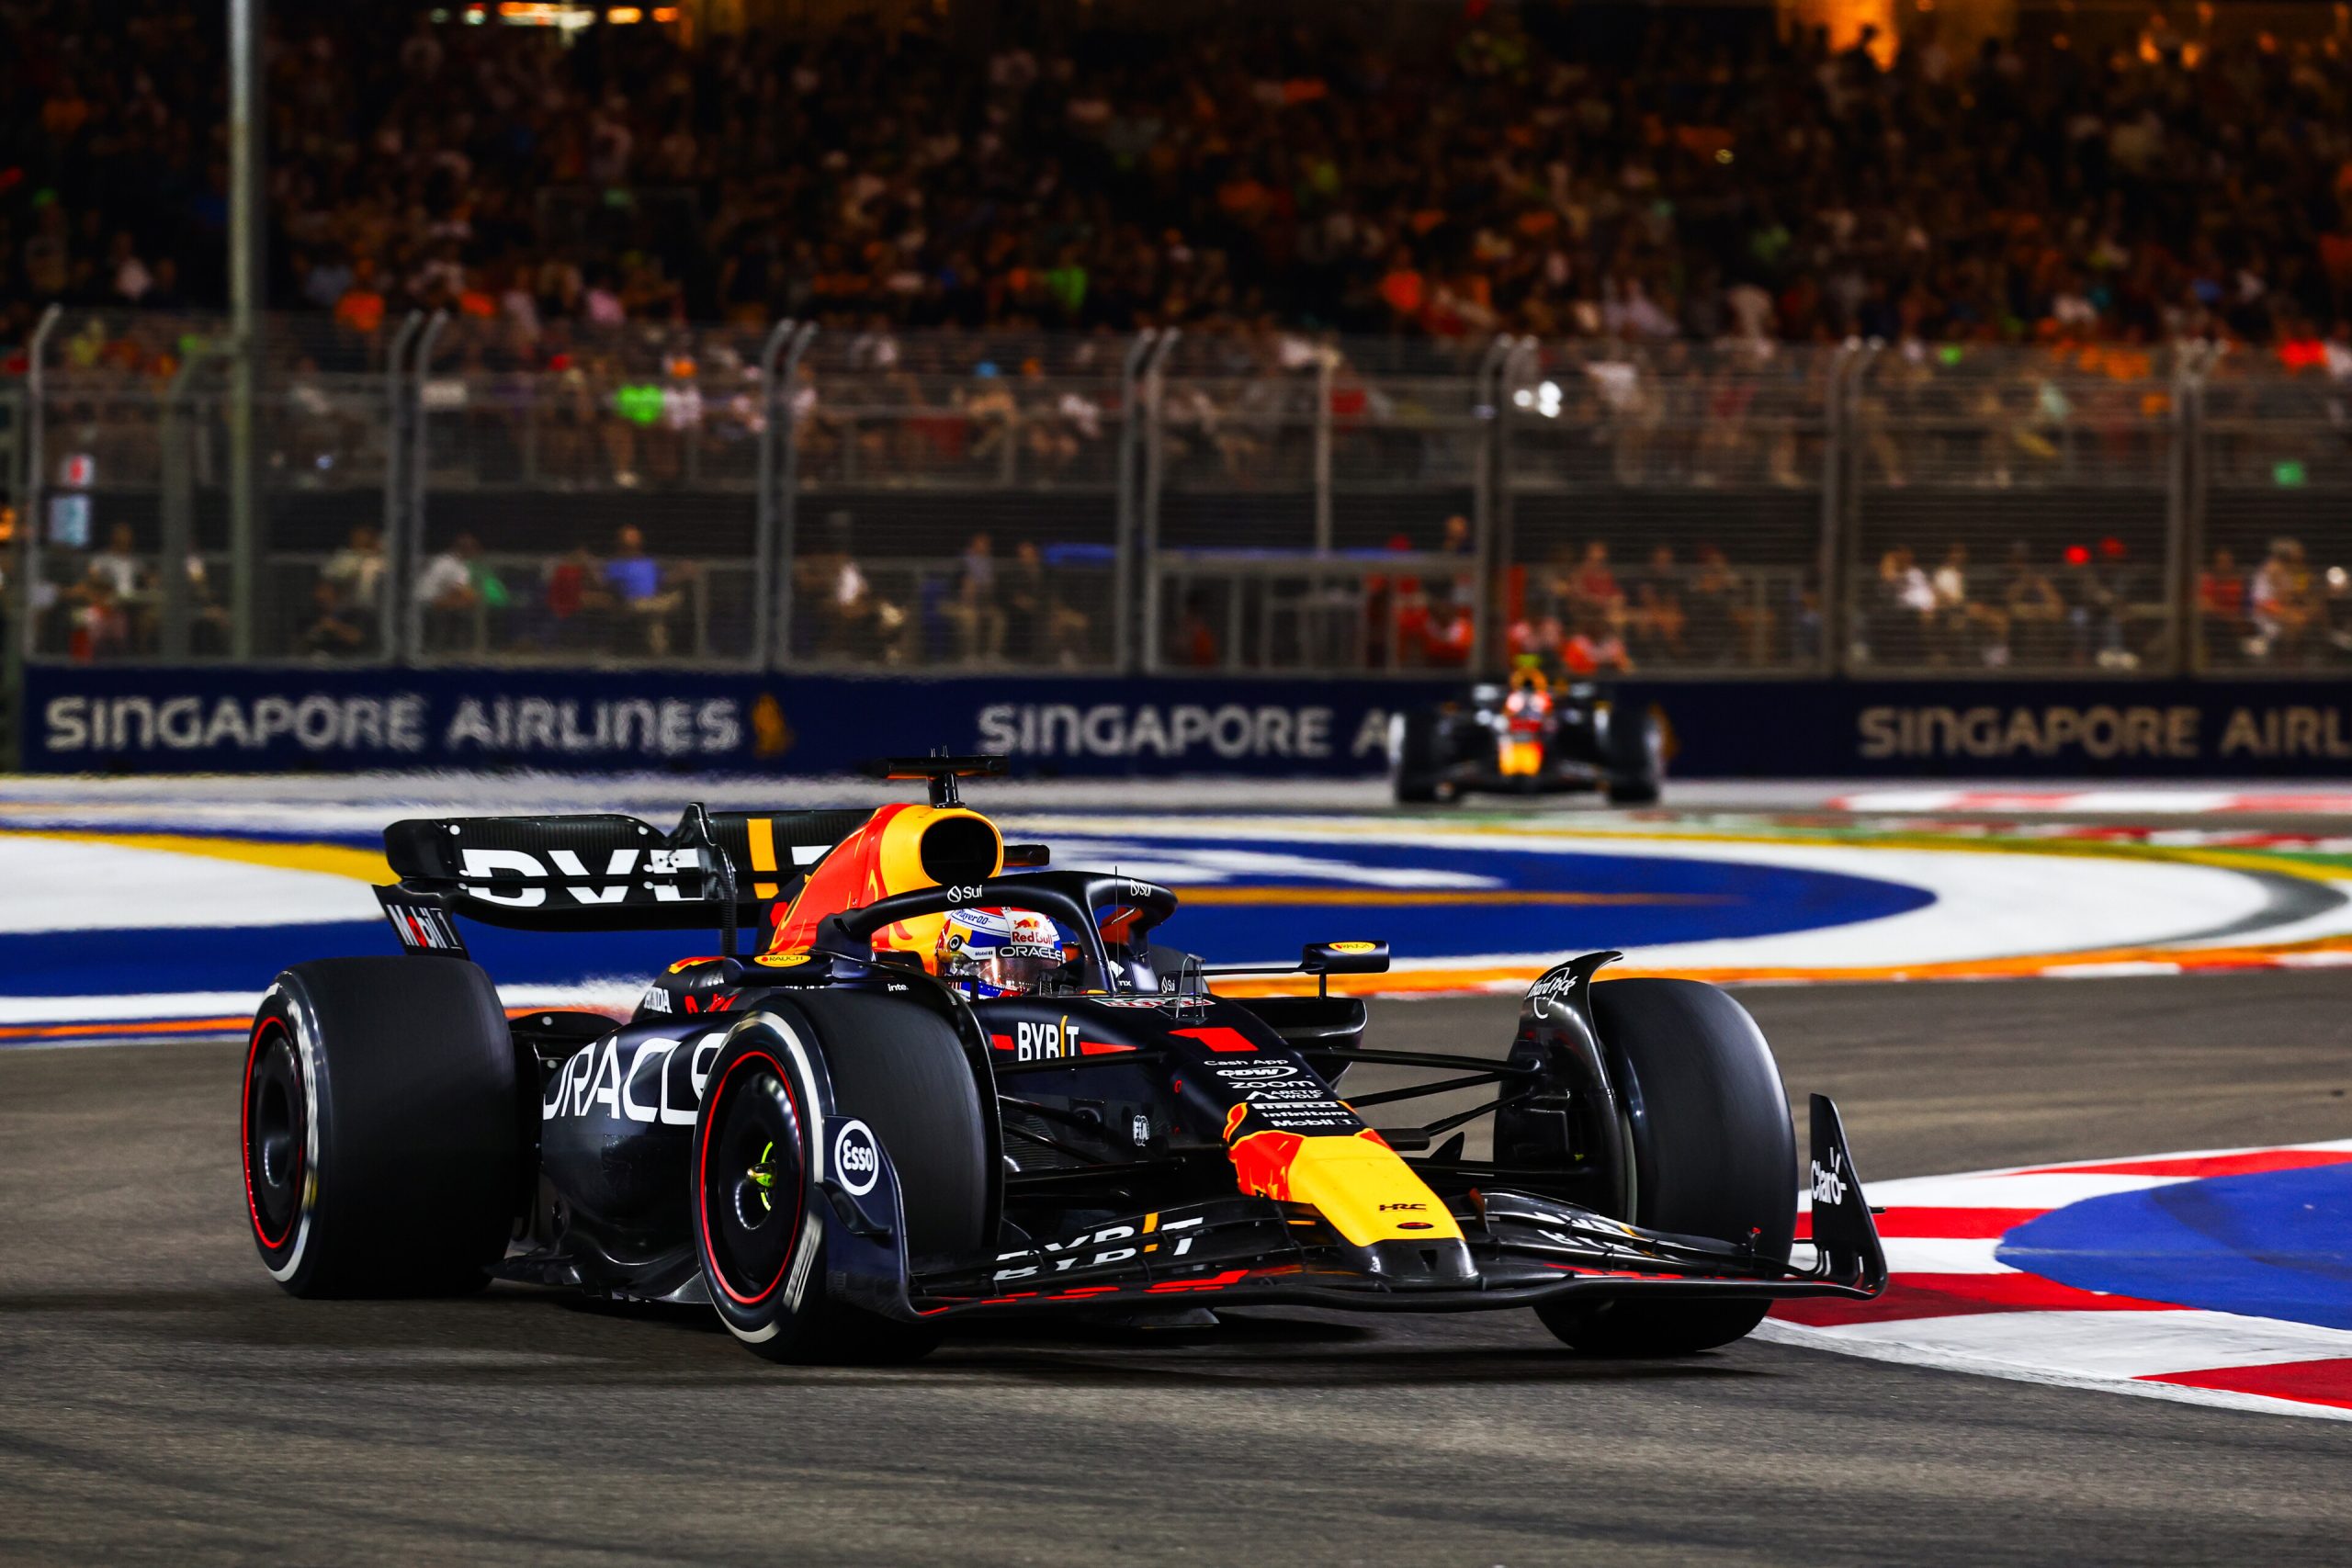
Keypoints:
(2095, 606)
(1501, 167)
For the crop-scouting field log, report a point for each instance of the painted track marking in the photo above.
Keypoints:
(1962, 1303)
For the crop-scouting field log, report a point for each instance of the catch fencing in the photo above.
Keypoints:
(471, 491)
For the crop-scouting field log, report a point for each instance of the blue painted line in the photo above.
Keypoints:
(2277, 1243)
(1709, 899)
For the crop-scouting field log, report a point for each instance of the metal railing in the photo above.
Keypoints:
(1268, 504)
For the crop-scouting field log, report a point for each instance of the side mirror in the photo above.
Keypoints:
(1345, 958)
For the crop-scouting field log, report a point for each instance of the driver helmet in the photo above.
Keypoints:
(1001, 952)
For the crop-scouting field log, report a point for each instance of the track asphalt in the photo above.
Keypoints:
(160, 1400)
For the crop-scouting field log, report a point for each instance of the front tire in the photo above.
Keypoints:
(1418, 766)
(759, 1226)
(1636, 757)
(380, 1129)
(1712, 1149)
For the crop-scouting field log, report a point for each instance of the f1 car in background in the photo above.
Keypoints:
(944, 1091)
(1528, 736)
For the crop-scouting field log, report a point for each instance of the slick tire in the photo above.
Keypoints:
(1636, 757)
(1420, 760)
(381, 1135)
(1711, 1148)
(758, 1224)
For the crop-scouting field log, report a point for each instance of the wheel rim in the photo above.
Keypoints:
(275, 1128)
(750, 1179)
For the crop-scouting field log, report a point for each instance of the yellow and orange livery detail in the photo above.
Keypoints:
(881, 858)
(1353, 1180)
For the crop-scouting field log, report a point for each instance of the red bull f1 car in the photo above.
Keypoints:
(1528, 736)
(951, 1084)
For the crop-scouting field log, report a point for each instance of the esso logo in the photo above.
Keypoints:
(857, 1159)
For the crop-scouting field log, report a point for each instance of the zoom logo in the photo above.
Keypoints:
(857, 1159)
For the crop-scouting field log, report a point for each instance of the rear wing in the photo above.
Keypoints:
(604, 873)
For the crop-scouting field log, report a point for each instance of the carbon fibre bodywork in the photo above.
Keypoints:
(1151, 1149)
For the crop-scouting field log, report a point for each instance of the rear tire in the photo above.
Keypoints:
(1712, 1153)
(901, 1070)
(381, 1136)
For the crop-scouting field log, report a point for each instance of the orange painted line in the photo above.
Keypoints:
(126, 1026)
(525, 1013)
(1438, 982)
(1413, 897)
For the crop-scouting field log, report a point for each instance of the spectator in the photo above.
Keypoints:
(1965, 630)
(101, 626)
(577, 604)
(357, 571)
(974, 610)
(335, 628)
(460, 596)
(1594, 588)
(1658, 619)
(1194, 642)
(1596, 646)
(1040, 627)
(635, 581)
(2093, 608)
(1713, 614)
(2284, 606)
(2035, 612)
(1902, 610)
(209, 630)
(2222, 622)
(1458, 539)
(119, 564)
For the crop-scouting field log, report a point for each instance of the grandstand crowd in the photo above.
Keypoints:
(1702, 176)
(1695, 194)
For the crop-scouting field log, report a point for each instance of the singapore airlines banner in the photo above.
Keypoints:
(127, 719)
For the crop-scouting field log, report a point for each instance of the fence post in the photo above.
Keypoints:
(178, 541)
(396, 417)
(1834, 444)
(1155, 458)
(1486, 407)
(1125, 584)
(408, 556)
(1513, 371)
(1843, 525)
(1325, 363)
(2185, 509)
(765, 591)
(788, 497)
(35, 471)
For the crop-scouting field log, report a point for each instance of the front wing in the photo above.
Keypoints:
(1519, 1250)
